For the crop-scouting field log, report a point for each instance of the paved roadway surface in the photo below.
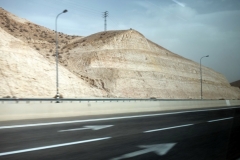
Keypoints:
(203, 134)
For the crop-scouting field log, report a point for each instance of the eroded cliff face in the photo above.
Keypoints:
(106, 64)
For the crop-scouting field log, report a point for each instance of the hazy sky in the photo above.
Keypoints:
(190, 28)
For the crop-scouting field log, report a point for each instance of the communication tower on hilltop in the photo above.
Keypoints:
(105, 15)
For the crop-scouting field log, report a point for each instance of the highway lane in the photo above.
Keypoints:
(198, 134)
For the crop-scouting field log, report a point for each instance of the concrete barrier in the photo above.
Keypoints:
(234, 102)
(56, 110)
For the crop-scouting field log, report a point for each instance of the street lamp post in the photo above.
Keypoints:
(56, 33)
(201, 73)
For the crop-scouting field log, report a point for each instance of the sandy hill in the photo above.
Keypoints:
(106, 64)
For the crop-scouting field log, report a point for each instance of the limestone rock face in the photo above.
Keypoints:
(106, 64)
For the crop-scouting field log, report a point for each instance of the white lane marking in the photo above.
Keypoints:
(154, 130)
(52, 146)
(106, 119)
(97, 127)
(159, 149)
(220, 119)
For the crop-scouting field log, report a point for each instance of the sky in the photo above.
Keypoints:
(189, 28)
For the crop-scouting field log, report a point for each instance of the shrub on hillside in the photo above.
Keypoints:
(60, 96)
(7, 97)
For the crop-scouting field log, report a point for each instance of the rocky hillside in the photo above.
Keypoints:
(27, 67)
(106, 64)
(236, 84)
(126, 64)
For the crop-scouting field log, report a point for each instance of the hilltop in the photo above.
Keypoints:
(120, 63)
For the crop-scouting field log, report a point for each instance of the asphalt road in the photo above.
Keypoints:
(189, 135)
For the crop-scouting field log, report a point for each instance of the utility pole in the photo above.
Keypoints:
(105, 15)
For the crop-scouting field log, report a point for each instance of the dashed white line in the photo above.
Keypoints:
(96, 127)
(220, 119)
(51, 146)
(111, 118)
(155, 130)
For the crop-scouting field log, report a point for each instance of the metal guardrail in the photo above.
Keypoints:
(28, 100)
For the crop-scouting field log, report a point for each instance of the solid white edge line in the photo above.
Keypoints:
(155, 130)
(112, 118)
(220, 119)
(52, 146)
